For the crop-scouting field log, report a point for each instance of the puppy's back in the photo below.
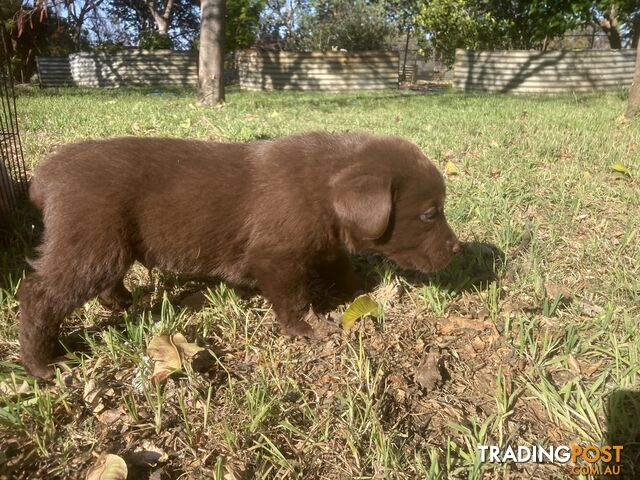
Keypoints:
(129, 166)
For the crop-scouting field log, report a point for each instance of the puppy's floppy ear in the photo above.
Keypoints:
(363, 204)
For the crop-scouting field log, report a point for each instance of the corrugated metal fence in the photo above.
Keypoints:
(135, 68)
(330, 71)
(523, 71)
(258, 70)
(54, 71)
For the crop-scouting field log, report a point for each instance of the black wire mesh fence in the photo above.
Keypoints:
(13, 174)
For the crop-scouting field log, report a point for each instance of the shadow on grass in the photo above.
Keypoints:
(476, 266)
(20, 232)
(473, 269)
(101, 92)
(623, 428)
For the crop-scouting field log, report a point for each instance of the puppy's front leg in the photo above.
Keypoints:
(287, 290)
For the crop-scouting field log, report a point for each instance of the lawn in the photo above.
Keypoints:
(528, 338)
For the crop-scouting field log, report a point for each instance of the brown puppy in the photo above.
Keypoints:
(260, 214)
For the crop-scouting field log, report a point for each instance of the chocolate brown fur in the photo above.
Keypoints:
(261, 214)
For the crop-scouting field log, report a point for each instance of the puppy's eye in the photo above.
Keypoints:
(429, 215)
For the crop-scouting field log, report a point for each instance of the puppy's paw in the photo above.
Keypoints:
(298, 329)
(39, 369)
(321, 326)
(311, 326)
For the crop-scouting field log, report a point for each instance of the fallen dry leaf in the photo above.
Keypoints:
(589, 309)
(92, 396)
(592, 368)
(188, 350)
(108, 467)
(322, 326)
(389, 293)
(553, 291)
(170, 352)
(165, 357)
(573, 364)
(111, 416)
(455, 322)
(478, 344)
(9, 389)
(428, 374)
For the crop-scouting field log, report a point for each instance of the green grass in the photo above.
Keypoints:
(545, 351)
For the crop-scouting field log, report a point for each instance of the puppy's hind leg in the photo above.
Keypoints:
(41, 313)
(64, 279)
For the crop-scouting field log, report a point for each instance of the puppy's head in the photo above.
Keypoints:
(390, 201)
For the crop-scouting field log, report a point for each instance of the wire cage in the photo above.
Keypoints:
(13, 174)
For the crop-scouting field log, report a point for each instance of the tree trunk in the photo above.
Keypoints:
(77, 37)
(634, 94)
(406, 51)
(635, 32)
(211, 61)
(162, 19)
(611, 27)
(163, 25)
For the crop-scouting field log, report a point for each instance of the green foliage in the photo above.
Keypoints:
(519, 24)
(241, 27)
(150, 40)
(342, 24)
(494, 24)
(108, 46)
(135, 24)
(32, 33)
(453, 24)
(402, 13)
(242, 21)
(8, 8)
(131, 16)
(321, 25)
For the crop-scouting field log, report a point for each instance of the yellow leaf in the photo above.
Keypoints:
(450, 168)
(361, 306)
(620, 168)
(186, 124)
(108, 467)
